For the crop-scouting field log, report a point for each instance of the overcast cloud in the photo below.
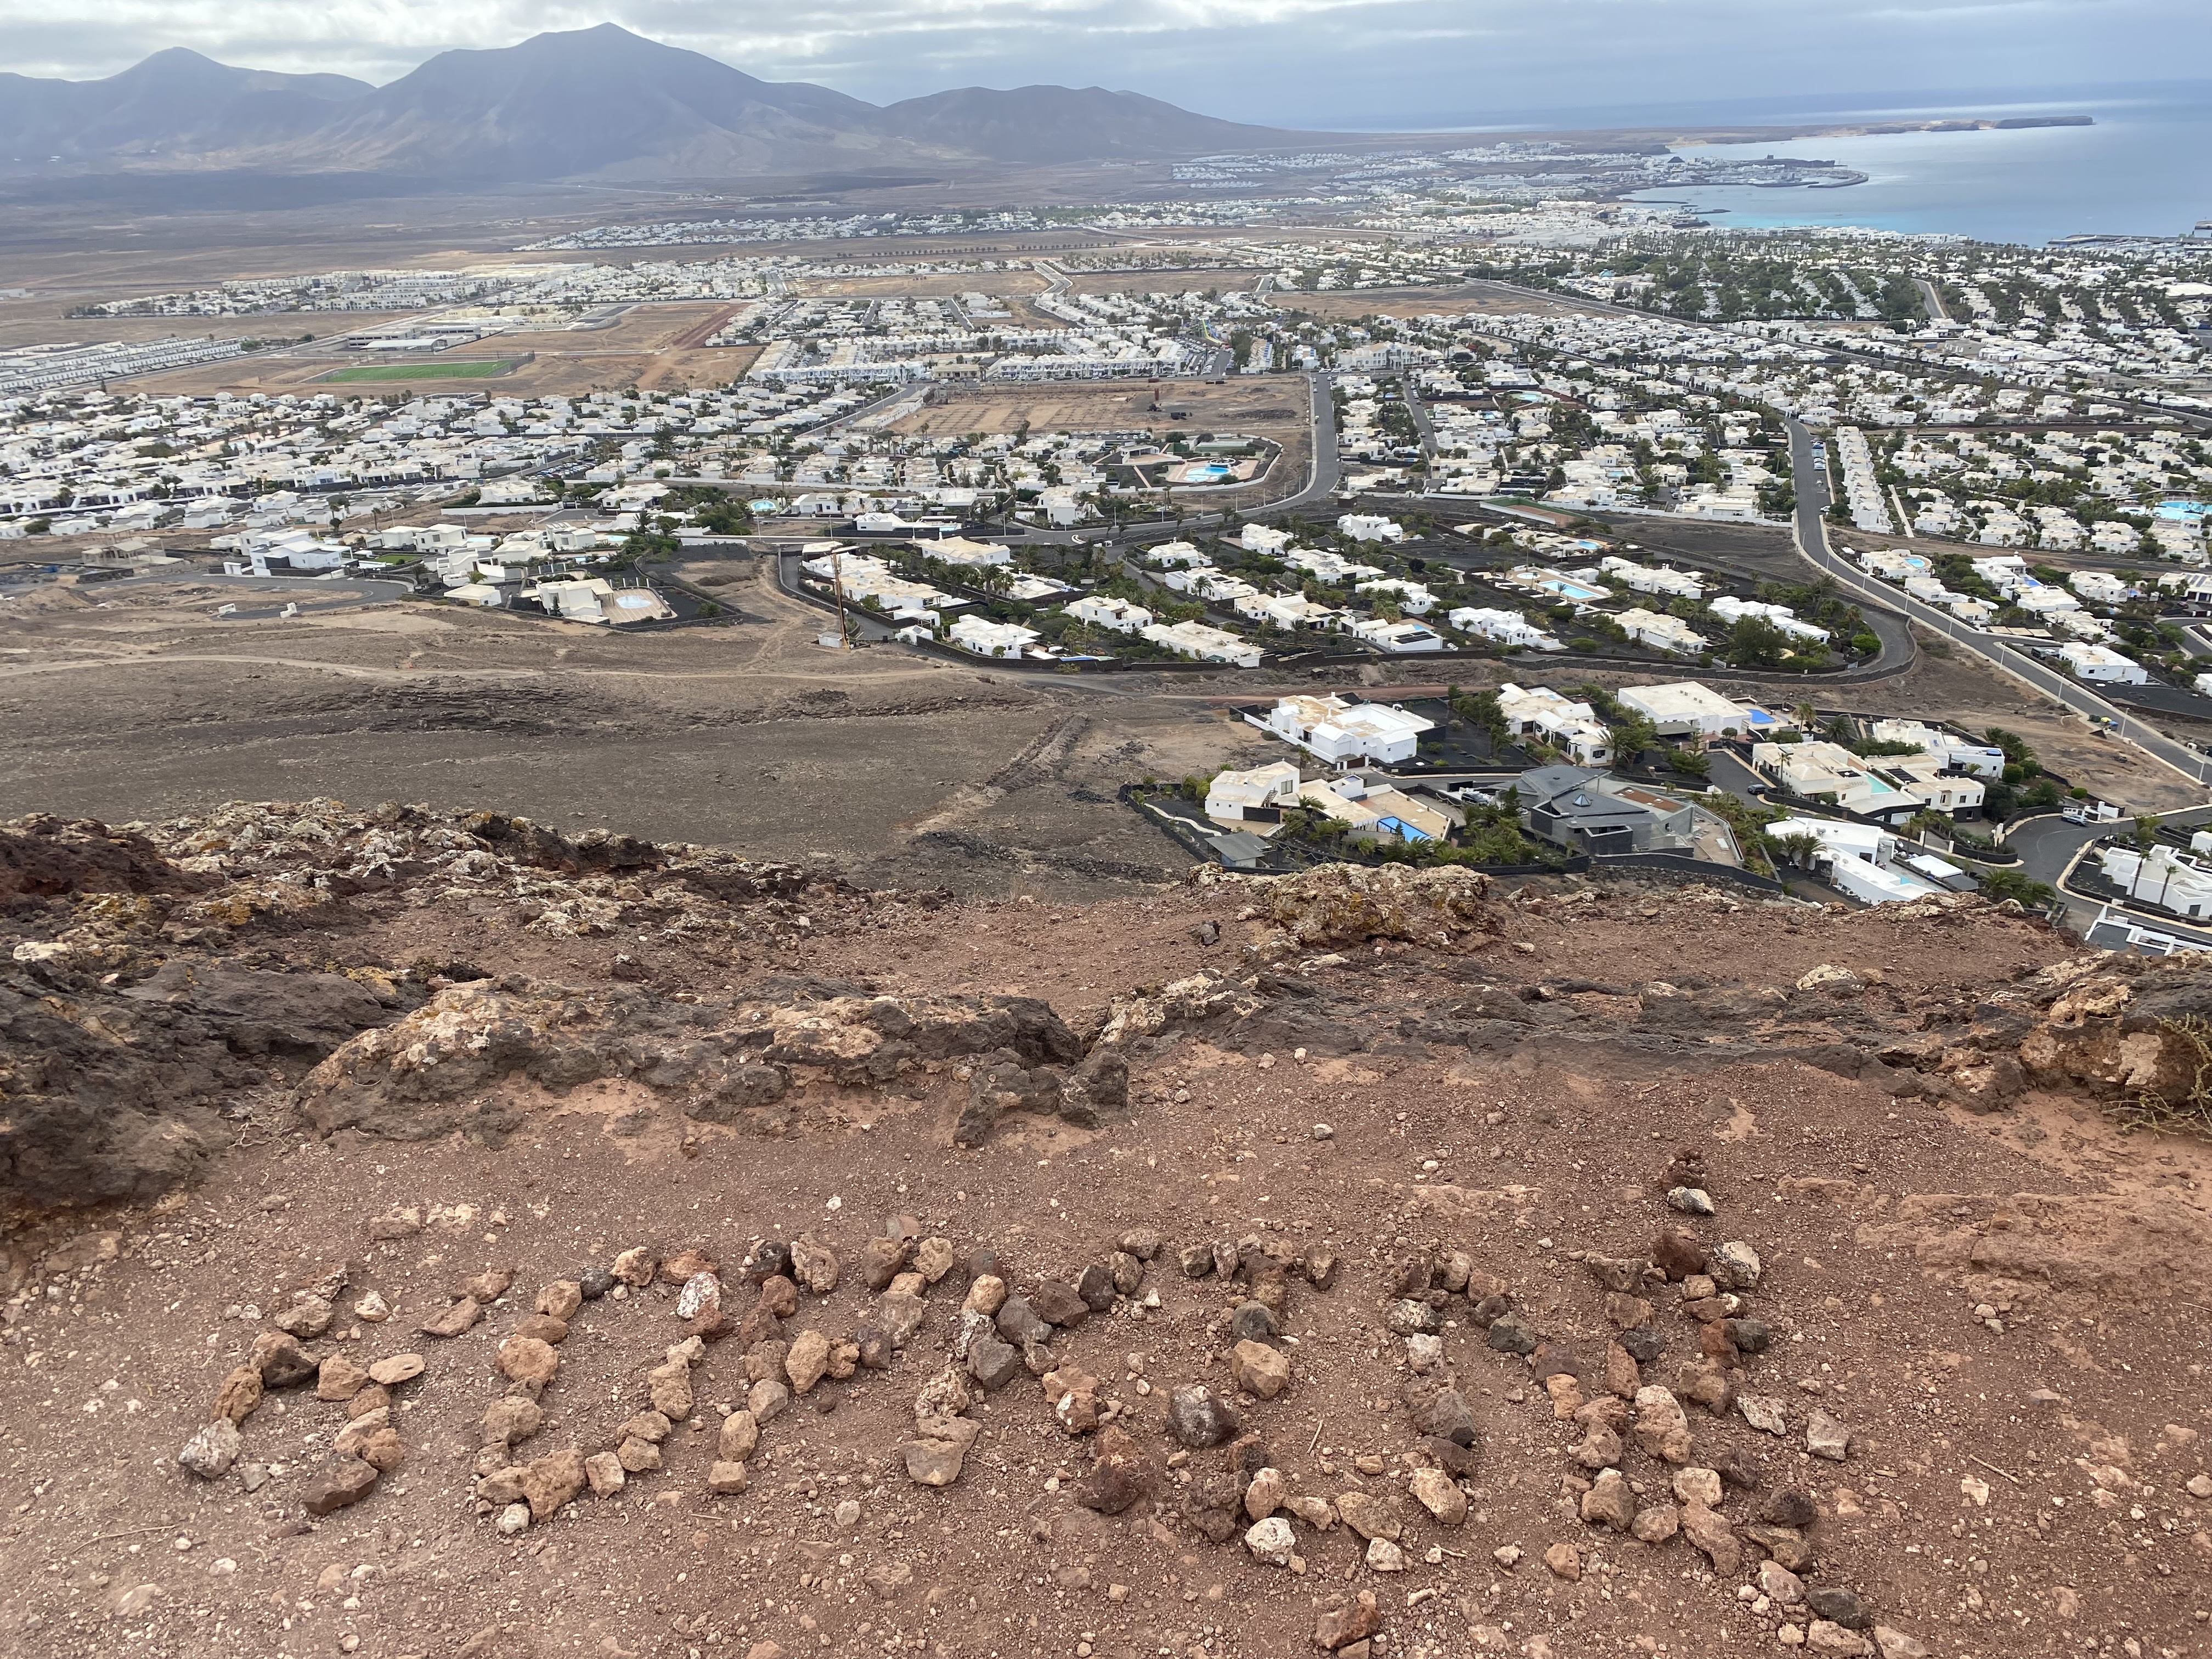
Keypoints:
(1294, 62)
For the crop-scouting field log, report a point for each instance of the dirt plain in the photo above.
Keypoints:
(903, 769)
(652, 346)
(922, 773)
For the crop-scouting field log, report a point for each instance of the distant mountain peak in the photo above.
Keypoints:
(600, 101)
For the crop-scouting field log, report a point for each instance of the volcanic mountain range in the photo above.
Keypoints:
(601, 102)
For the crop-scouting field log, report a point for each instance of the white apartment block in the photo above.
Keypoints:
(1861, 493)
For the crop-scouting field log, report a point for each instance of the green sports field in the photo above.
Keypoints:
(476, 369)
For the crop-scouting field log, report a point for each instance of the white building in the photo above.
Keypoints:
(1651, 579)
(1731, 610)
(1263, 539)
(1397, 637)
(862, 578)
(2102, 587)
(267, 552)
(1102, 611)
(1960, 754)
(2102, 664)
(1558, 719)
(596, 599)
(1509, 627)
(960, 550)
(986, 638)
(1412, 598)
(1929, 778)
(2162, 878)
(2050, 604)
(1205, 644)
(1287, 611)
(1232, 795)
(1368, 527)
(1860, 859)
(1685, 708)
(1339, 731)
(1661, 631)
(1331, 568)
(1830, 772)
(1168, 555)
(1862, 491)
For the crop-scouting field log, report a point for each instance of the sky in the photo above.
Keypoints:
(1380, 63)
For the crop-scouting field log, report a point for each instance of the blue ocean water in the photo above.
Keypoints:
(2142, 169)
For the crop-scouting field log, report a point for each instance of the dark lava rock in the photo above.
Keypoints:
(1749, 1335)
(1645, 1344)
(1059, 1304)
(991, 1362)
(1201, 1418)
(1842, 1606)
(1791, 1506)
(1509, 1336)
(1253, 1322)
(1021, 1324)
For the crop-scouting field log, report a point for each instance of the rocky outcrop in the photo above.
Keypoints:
(140, 964)
(49, 858)
(2133, 1031)
(103, 1099)
(427, 1074)
(1350, 903)
(257, 1013)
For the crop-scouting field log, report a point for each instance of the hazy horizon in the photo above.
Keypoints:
(1347, 65)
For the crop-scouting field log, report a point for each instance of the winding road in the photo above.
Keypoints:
(1812, 534)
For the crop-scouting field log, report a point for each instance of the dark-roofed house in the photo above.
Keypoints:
(1581, 808)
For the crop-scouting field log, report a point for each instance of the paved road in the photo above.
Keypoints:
(1324, 470)
(1812, 542)
(1424, 427)
(1739, 780)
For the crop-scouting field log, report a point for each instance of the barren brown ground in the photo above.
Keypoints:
(904, 768)
(649, 345)
(1994, 1308)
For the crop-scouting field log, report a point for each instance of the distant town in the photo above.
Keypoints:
(1205, 454)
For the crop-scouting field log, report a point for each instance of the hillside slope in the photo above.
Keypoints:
(540, 1243)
